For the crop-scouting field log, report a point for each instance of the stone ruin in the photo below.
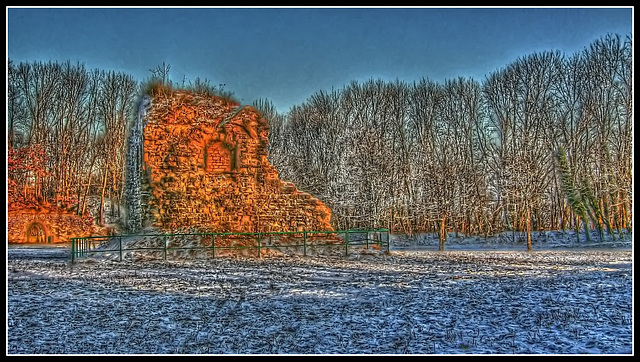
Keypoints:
(46, 224)
(193, 162)
(200, 162)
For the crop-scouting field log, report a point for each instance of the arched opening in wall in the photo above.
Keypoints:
(36, 233)
(218, 157)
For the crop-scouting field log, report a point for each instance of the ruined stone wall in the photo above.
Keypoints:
(205, 166)
(59, 225)
(132, 190)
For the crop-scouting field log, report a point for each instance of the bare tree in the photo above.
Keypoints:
(117, 96)
(161, 73)
(521, 100)
(77, 119)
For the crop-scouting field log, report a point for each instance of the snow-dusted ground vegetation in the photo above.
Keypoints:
(502, 300)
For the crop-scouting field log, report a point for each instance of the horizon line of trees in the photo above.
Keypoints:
(543, 143)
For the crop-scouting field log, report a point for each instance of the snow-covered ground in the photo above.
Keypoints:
(544, 240)
(490, 298)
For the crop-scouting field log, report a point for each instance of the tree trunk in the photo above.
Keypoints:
(443, 234)
(586, 230)
(576, 221)
(529, 230)
(104, 187)
(86, 194)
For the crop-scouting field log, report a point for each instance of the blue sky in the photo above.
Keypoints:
(287, 54)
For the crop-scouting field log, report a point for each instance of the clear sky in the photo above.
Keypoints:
(287, 54)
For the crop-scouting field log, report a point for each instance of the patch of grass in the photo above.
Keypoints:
(154, 87)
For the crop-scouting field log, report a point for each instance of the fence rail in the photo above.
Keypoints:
(377, 238)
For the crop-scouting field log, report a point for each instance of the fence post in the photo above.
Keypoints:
(213, 246)
(165, 246)
(120, 246)
(388, 240)
(366, 239)
(346, 243)
(259, 256)
(73, 242)
(304, 242)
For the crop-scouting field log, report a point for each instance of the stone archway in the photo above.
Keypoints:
(36, 233)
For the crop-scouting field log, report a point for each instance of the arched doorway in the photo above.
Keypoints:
(36, 233)
(218, 157)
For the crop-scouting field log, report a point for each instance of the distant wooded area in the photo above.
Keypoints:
(544, 143)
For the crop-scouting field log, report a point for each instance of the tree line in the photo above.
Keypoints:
(544, 143)
(65, 134)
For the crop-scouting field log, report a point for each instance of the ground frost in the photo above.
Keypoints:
(426, 302)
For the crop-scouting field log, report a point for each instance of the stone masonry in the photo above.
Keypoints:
(204, 165)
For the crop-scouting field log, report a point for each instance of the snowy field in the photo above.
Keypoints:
(491, 298)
